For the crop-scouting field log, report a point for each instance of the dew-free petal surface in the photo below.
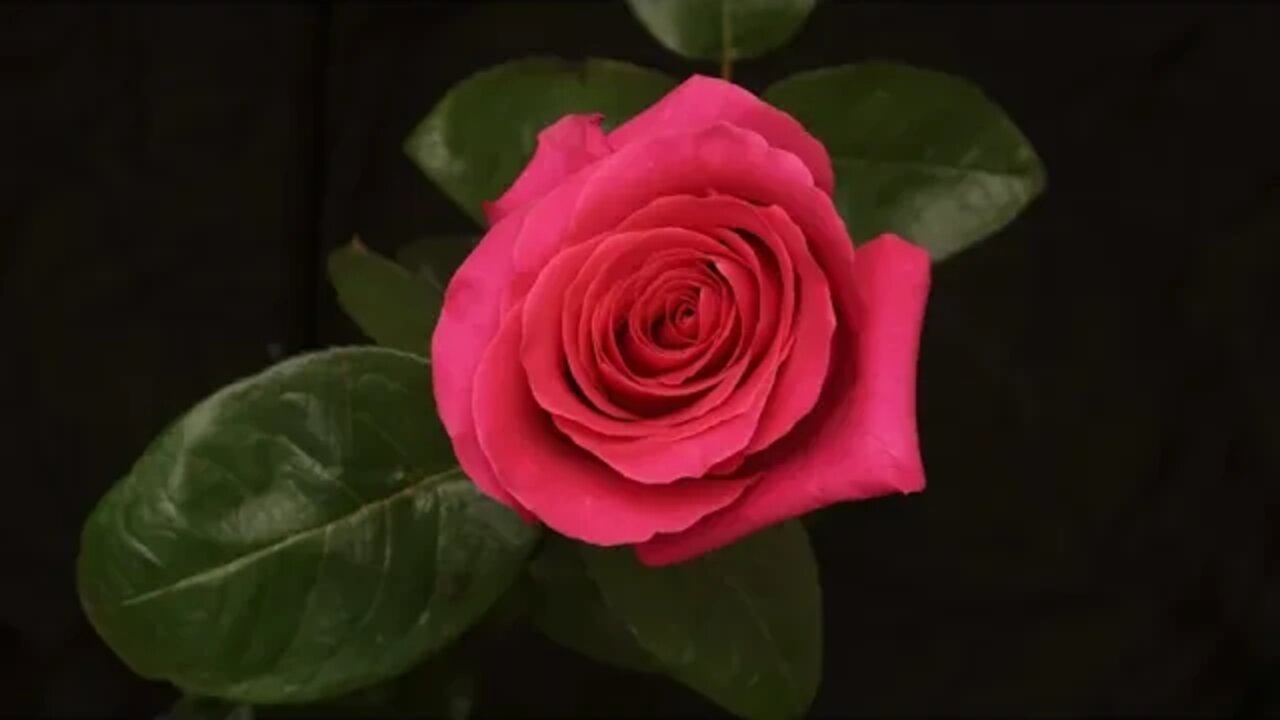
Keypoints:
(861, 440)
(564, 485)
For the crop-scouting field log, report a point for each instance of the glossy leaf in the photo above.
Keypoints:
(298, 535)
(568, 608)
(444, 686)
(474, 143)
(916, 152)
(742, 626)
(393, 306)
(722, 29)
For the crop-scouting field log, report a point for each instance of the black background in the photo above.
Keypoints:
(1098, 388)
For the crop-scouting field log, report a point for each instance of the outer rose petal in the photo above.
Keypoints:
(702, 101)
(861, 441)
(720, 158)
(468, 321)
(563, 485)
(564, 147)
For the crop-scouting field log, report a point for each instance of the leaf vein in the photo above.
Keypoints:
(249, 558)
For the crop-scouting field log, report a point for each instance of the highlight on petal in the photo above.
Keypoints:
(563, 485)
(702, 101)
(861, 441)
(564, 147)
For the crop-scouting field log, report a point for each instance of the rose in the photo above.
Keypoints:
(667, 340)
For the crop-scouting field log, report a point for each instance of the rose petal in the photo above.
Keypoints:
(860, 442)
(657, 451)
(692, 447)
(803, 373)
(720, 158)
(566, 488)
(665, 277)
(702, 101)
(553, 337)
(468, 321)
(672, 403)
(659, 460)
(564, 147)
(709, 314)
(667, 405)
(687, 343)
(594, 200)
(661, 321)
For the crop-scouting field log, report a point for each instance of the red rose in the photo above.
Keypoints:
(665, 339)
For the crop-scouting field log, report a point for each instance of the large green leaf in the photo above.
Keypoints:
(722, 30)
(297, 535)
(445, 686)
(474, 143)
(916, 152)
(393, 306)
(742, 626)
(568, 608)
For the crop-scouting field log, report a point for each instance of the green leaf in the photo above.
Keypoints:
(298, 535)
(568, 608)
(392, 305)
(742, 626)
(721, 29)
(445, 685)
(435, 259)
(474, 143)
(916, 152)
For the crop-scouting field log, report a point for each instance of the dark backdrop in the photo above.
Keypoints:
(1099, 383)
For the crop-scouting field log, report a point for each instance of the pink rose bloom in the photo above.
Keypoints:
(666, 338)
